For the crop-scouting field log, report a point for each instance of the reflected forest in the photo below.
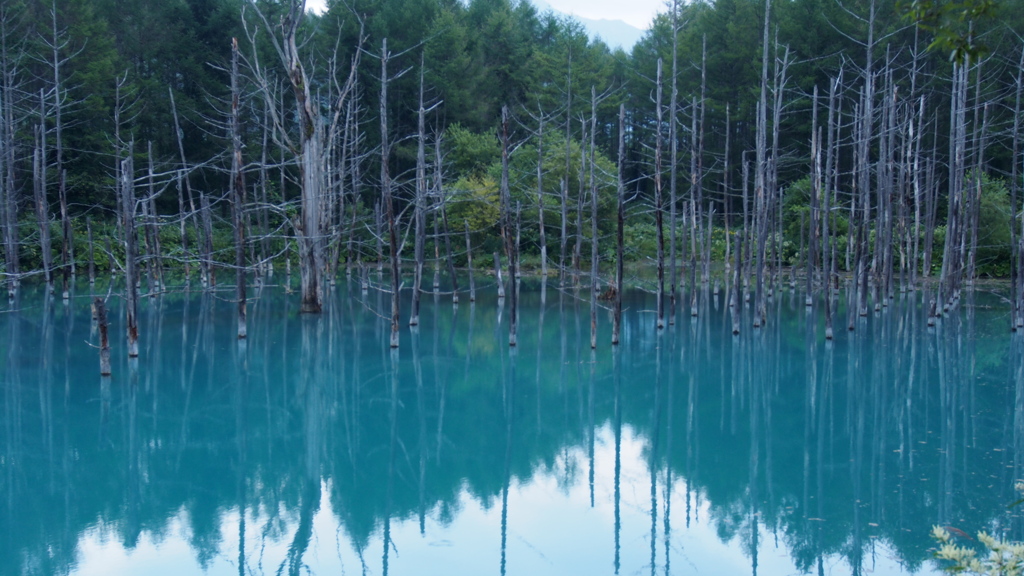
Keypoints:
(443, 286)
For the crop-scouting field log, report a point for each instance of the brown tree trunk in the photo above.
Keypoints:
(101, 322)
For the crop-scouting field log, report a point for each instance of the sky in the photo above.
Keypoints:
(638, 13)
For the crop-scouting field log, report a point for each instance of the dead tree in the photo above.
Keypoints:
(658, 204)
(57, 43)
(951, 274)
(154, 264)
(439, 190)
(128, 207)
(815, 192)
(1014, 186)
(698, 176)
(9, 86)
(761, 174)
(508, 231)
(826, 252)
(310, 150)
(619, 234)
(673, 137)
(593, 223)
(40, 185)
(386, 192)
(469, 263)
(564, 197)
(419, 210)
(238, 192)
(540, 197)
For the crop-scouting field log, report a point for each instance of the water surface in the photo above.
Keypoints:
(313, 448)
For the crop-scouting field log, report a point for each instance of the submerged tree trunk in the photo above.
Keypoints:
(101, 322)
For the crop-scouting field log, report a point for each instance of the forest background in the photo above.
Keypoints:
(89, 84)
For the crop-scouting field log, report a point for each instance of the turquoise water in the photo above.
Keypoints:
(313, 448)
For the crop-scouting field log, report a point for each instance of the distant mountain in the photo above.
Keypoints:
(615, 33)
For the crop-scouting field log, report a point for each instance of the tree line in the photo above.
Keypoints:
(739, 141)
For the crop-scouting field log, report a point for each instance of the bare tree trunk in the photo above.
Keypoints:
(418, 208)
(354, 172)
(727, 192)
(92, 259)
(673, 108)
(580, 195)
(1014, 186)
(737, 302)
(508, 231)
(265, 264)
(238, 190)
(438, 184)
(469, 263)
(815, 192)
(150, 233)
(565, 180)
(8, 197)
(130, 252)
(747, 225)
(378, 217)
(540, 198)
(760, 176)
(705, 234)
(56, 42)
(919, 197)
(206, 215)
(931, 205)
(658, 204)
(620, 218)
(183, 178)
(826, 252)
(42, 203)
(951, 274)
(385, 182)
(593, 223)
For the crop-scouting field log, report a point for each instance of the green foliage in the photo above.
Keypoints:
(953, 24)
(994, 250)
(470, 154)
(474, 200)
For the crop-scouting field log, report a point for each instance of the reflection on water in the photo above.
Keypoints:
(314, 447)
